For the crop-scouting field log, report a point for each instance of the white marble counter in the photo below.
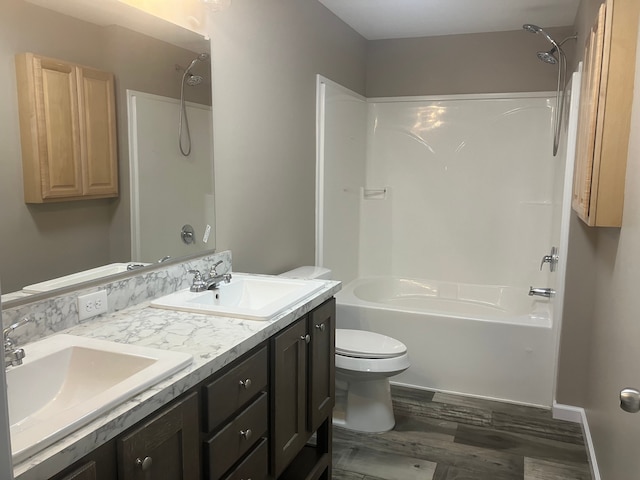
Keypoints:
(213, 341)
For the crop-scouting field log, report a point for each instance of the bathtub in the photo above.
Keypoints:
(481, 340)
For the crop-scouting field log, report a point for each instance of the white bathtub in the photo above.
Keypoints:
(482, 340)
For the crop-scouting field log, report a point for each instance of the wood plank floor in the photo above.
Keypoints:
(447, 437)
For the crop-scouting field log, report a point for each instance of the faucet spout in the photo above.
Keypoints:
(542, 292)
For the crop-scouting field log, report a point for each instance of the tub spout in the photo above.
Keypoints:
(542, 292)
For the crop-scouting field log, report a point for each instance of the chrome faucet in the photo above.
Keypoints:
(542, 292)
(200, 283)
(13, 356)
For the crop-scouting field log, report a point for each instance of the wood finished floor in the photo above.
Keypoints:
(448, 437)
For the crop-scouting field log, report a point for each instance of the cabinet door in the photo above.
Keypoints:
(321, 364)
(100, 464)
(98, 132)
(289, 351)
(58, 128)
(165, 447)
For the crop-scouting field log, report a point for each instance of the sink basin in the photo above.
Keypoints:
(66, 381)
(74, 278)
(254, 297)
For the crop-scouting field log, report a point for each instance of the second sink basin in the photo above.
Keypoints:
(66, 381)
(255, 297)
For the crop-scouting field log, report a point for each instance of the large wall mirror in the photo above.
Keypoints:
(160, 189)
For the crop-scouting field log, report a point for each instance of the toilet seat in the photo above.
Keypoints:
(367, 345)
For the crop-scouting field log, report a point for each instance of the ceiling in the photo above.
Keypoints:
(380, 19)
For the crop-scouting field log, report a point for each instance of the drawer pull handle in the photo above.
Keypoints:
(144, 464)
(306, 338)
(320, 326)
(245, 383)
(246, 434)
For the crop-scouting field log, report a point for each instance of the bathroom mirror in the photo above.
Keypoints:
(44, 241)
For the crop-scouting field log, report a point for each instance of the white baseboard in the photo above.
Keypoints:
(570, 413)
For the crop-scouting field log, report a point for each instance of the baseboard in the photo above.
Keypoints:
(570, 413)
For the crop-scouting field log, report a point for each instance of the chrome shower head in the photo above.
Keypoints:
(202, 57)
(548, 57)
(529, 27)
(193, 80)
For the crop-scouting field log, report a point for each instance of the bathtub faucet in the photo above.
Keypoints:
(542, 292)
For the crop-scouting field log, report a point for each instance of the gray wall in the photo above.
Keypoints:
(38, 242)
(266, 57)
(599, 353)
(476, 63)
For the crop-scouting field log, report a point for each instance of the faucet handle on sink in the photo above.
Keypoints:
(11, 328)
(198, 284)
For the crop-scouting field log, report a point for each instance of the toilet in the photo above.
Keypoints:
(364, 363)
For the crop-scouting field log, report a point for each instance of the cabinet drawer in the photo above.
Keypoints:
(227, 394)
(235, 439)
(255, 466)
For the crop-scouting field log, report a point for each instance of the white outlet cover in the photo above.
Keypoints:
(92, 304)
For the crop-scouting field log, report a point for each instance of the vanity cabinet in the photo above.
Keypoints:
(303, 386)
(67, 129)
(166, 446)
(604, 116)
(254, 419)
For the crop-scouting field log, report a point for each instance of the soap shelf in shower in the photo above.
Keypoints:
(375, 193)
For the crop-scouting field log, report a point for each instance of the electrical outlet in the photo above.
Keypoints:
(92, 304)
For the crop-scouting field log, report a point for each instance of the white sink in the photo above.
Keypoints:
(66, 381)
(255, 297)
(79, 277)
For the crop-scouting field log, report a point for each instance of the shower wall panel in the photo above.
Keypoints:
(169, 190)
(341, 176)
(469, 188)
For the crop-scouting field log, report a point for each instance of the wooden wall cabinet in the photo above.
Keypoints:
(604, 116)
(68, 130)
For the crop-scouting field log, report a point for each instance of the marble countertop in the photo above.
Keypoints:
(213, 341)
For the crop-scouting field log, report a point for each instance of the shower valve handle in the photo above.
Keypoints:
(551, 259)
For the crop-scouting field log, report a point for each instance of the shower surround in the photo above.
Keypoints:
(447, 205)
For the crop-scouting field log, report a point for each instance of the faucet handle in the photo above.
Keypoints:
(198, 284)
(213, 271)
(551, 259)
(11, 328)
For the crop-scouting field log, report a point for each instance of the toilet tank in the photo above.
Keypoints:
(308, 272)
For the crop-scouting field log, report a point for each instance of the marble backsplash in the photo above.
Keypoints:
(58, 313)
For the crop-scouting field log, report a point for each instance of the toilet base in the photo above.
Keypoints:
(365, 406)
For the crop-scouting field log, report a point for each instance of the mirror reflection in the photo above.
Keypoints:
(164, 205)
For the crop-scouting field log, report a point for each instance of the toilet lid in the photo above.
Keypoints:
(363, 344)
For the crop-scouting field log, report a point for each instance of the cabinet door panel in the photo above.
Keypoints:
(169, 440)
(289, 395)
(98, 127)
(321, 364)
(58, 128)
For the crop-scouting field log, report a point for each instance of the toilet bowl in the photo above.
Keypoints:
(364, 363)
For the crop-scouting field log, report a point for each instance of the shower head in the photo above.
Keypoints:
(193, 80)
(548, 57)
(529, 27)
(202, 57)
